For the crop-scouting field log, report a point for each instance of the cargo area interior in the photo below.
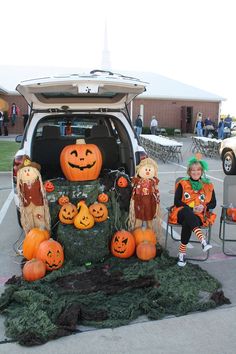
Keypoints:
(53, 133)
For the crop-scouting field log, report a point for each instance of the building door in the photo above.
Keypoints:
(186, 119)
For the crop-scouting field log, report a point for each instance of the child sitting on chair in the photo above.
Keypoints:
(193, 202)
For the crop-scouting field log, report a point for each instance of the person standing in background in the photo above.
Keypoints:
(221, 129)
(14, 112)
(199, 126)
(153, 125)
(138, 125)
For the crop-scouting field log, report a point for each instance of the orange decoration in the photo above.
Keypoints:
(63, 200)
(49, 186)
(67, 213)
(198, 156)
(103, 198)
(122, 244)
(81, 162)
(83, 220)
(34, 269)
(32, 241)
(51, 253)
(99, 212)
(141, 235)
(146, 251)
(122, 182)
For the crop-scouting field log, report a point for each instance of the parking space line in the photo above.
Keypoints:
(6, 205)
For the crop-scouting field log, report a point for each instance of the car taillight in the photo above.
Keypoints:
(17, 161)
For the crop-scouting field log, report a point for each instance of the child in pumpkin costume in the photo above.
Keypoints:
(32, 197)
(194, 199)
(145, 197)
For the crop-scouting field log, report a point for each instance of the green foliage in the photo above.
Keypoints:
(7, 152)
(146, 130)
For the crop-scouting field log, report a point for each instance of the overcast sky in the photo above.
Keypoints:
(192, 41)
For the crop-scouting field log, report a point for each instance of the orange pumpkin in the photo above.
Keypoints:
(103, 198)
(122, 244)
(141, 235)
(122, 182)
(34, 269)
(81, 162)
(99, 212)
(32, 241)
(51, 253)
(49, 186)
(67, 213)
(83, 220)
(63, 200)
(146, 251)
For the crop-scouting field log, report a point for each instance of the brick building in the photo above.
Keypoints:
(175, 104)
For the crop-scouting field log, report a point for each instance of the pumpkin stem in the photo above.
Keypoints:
(80, 141)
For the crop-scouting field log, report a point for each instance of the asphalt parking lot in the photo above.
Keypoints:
(220, 266)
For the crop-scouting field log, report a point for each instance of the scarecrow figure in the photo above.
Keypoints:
(145, 199)
(32, 197)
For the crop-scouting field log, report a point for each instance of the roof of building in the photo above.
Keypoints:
(159, 86)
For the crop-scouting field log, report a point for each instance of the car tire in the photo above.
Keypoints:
(229, 163)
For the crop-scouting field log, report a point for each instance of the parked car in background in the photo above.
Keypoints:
(228, 155)
(93, 107)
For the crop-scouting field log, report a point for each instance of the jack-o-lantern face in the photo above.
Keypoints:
(63, 200)
(99, 212)
(103, 198)
(49, 186)
(67, 213)
(83, 220)
(51, 253)
(123, 244)
(122, 182)
(81, 162)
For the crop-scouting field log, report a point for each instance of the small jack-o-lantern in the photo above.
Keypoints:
(81, 162)
(122, 244)
(98, 211)
(83, 220)
(122, 182)
(51, 253)
(103, 198)
(63, 200)
(49, 186)
(67, 213)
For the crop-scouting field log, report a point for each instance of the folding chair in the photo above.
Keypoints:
(177, 132)
(229, 200)
(170, 230)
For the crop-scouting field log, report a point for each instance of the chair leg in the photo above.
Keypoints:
(224, 240)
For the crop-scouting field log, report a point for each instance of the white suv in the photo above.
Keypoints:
(228, 155)
(91, 106)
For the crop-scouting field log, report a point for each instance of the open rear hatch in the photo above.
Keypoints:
(93, 91)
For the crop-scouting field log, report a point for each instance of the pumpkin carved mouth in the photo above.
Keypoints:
(54, 265)
(81, 168)
(119, 251)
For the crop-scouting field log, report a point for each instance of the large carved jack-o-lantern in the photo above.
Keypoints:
(81, 162)
(67, 213)
(122, 244)
(51, 253)
(99, 212)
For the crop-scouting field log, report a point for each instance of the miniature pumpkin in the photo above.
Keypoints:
(122, 244)
(67, 213)
(81, 162)
(146, 251)
(63, 200)
(49, 186)
(122, 182)
(98, 211)
(51, 253)
(34, 269)
(32, 241)
(141, 235)
(83, 220)
(103, 198)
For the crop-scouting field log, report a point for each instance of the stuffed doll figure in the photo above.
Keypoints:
(32, 197)
(145, 197)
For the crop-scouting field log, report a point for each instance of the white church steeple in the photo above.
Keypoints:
(106, 60)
